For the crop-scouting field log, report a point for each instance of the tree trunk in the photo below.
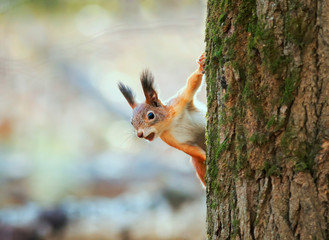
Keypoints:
(268, 132)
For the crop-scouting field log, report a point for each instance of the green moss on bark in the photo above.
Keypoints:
(253, 116)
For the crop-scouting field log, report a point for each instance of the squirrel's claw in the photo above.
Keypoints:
(201, 62)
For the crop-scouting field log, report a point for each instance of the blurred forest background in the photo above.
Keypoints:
(71, 166)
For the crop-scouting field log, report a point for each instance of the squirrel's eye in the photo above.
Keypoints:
(150, 115)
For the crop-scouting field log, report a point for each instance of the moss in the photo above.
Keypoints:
(233, 114)
(250, 97)
(264, 38)
(271, 122)
(259, 138)
(305, 155)
(247, 93)
(302, 153)
(214, 205)
(220, 148)
(229, 44)
(235, 227)
(211, 89)
(225, 97)
(290, 85)
(241, 162)
(223, 116)
(271, 169)
(246, 11)
(225, 4)
(212, 169)
(219, 192)
(259, 111)
(218, 54)
(280, 124)
(299, 30)
(240, 150)
(301, 166)
(274, 124)
(287, 139)
(222, 18)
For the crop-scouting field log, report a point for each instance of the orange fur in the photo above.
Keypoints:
(198, 154)
(192, 85)
(200, 168)
(193, 151)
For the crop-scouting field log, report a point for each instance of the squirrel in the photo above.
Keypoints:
(179, 121)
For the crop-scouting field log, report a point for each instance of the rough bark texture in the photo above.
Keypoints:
(268, 134)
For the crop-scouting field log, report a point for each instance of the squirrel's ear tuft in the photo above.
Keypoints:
(128, 94)
(151, 95)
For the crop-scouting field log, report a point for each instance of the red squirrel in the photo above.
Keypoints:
(179, 121)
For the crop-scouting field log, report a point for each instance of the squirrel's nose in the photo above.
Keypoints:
(140, 134)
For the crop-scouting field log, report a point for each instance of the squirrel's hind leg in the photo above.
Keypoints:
(200, 168)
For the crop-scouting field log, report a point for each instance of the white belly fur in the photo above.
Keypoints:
(188, 125)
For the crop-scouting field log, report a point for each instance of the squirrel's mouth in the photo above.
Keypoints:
(150, 137)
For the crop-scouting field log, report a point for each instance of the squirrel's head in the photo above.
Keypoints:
(149, 117)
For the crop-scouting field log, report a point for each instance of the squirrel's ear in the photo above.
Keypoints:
(128, 94)
(151, 95)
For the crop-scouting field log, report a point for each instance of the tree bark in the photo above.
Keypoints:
(268, 132)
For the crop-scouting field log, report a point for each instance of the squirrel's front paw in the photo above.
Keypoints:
(201, 62)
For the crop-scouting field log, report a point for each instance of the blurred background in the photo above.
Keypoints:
(71, 166)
